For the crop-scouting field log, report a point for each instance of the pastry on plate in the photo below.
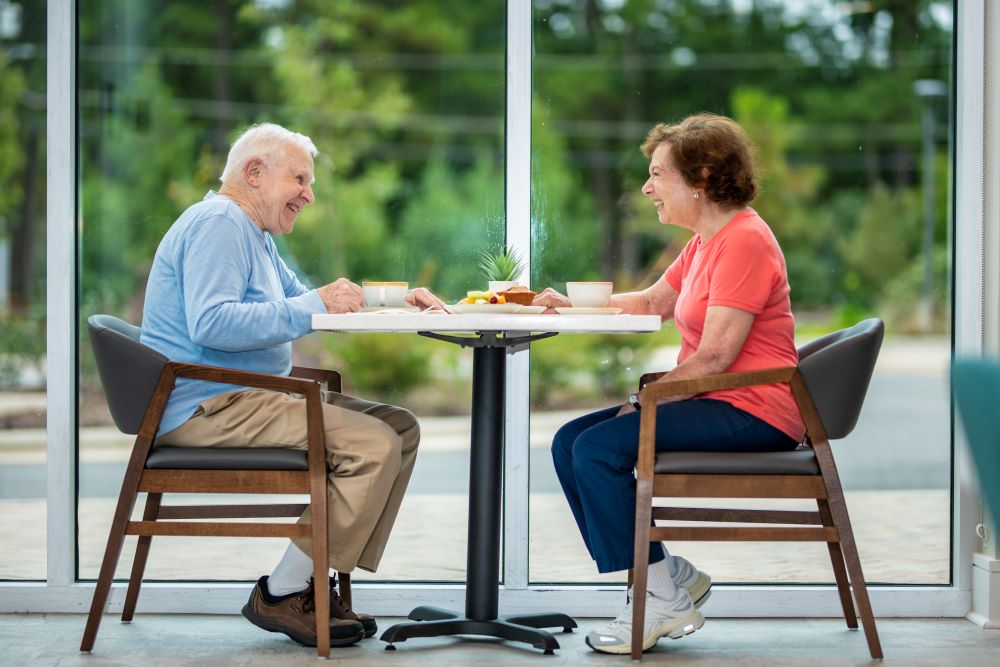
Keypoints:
(519, 294)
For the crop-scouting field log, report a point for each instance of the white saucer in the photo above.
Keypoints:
(531, 310)
(588, 311)
(390, 309)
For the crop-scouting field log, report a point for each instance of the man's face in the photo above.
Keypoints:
(286, 188)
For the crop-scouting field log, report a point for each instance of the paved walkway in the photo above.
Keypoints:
(903, 534)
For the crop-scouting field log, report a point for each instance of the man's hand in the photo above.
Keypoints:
(342, 296)
(424, 298)
(550, 298)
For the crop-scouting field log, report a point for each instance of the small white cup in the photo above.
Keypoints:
(388, 294)
(589, 295)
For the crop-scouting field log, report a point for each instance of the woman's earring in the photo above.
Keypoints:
(697, 194)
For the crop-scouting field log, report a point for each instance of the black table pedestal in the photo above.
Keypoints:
(483, 553)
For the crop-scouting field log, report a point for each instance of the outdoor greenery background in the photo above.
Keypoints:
(406, 102)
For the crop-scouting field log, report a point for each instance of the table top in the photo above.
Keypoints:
(468, 323)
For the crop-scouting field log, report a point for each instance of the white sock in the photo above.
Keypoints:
(292, 573)
(671, 561)
(660, 583)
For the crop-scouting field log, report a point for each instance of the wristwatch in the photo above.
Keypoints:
(633, 400)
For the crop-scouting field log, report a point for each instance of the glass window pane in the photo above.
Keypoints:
(22, 290)
(849, 104)
(405, 103)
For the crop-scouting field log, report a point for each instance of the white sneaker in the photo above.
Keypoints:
(694, 581)
(675, 619)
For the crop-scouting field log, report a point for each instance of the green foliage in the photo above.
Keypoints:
(22, 339)
(11, 155)
(567, 370)
(405, 102)
(382, 365)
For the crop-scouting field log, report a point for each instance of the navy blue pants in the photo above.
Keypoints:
(595, 457)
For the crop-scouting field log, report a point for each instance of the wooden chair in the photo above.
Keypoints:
(137, 381)
(829, 386)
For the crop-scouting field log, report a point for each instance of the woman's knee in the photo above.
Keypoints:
(562, 445)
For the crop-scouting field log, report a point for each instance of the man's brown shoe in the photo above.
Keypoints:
(295, 616)
(340, 609)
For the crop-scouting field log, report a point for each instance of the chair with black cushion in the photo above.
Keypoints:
(137, 382)
(829, 385)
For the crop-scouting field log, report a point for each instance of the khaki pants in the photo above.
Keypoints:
(370, 449)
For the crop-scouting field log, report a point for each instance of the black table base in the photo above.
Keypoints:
(483, 552)
(437, 622)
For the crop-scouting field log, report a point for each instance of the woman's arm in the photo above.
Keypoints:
(657, 299)
(725, 331)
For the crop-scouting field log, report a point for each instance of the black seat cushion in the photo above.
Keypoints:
(227, 458)
(800, 461)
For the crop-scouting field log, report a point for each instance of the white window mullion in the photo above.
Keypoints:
(518, 236)
(61, 293)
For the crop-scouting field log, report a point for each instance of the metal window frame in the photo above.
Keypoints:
(61, 592)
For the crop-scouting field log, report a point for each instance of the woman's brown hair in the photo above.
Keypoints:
(711, 152)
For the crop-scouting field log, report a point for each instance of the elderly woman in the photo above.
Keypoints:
(728, 294)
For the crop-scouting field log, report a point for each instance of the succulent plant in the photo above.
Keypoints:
(503, 265)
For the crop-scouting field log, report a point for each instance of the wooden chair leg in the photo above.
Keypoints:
(841, 520)
(839, 571)
(321, 566)
(639, 584)
(112, 552)
(344, 582)
(151, 511)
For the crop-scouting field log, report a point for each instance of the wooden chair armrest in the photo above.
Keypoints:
(243, 378)
(316, 447)
(330, 377)
(656, 390)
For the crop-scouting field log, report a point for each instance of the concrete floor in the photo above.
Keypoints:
(209, 641)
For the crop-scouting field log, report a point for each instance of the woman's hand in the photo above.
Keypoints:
(424, 298)
(627, 408)
(550, 298)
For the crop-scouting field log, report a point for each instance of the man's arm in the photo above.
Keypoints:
(215, 273)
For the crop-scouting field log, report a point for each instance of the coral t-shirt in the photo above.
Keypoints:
(742, 267)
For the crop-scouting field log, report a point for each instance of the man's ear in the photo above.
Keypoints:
(252, 171)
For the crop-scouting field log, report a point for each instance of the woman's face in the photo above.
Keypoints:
(673, 197)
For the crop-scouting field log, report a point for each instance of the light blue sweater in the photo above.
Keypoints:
(219, 294)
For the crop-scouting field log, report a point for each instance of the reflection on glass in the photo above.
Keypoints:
(22, 290)
(406, 107)
(854, 152)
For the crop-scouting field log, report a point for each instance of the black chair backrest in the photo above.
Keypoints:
(129, 370)
(837, 369)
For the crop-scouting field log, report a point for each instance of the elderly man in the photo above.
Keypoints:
(219, 294)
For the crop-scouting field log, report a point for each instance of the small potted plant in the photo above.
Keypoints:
(501, 269)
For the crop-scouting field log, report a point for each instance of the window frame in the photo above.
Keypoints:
(973, 305)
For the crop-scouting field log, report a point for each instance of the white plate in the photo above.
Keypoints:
(492, 308)
(588, 311)
(531, 310)
(390, 309)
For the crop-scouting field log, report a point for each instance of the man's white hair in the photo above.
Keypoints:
(266, 141)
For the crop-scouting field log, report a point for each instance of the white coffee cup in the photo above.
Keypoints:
(589, 295)
(389, 294)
